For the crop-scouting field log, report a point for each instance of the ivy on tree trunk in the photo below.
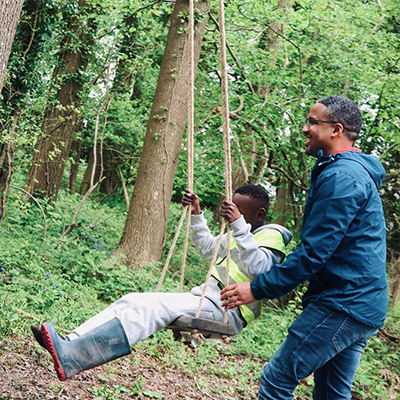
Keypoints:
(144, 231)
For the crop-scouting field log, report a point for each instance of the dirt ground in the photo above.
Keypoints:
(26, 372)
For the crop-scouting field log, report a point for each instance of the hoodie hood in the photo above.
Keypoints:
(287, 235)
(370, 163)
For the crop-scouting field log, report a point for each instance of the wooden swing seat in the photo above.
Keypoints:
(208, 328)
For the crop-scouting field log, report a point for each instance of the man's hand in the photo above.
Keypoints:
(230, 211)
(190, 198)
(236, 295)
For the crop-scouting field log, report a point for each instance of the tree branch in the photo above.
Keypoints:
(291, 179)
(33, 29)
(387, 150)
(126, 195)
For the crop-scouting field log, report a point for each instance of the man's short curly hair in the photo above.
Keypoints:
(256, 192)
(344, 111)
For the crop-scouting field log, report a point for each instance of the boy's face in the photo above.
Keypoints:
(250, 210)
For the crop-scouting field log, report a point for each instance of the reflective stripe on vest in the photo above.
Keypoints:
(270, 238)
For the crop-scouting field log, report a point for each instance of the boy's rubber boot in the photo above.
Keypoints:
(38, 335)
(37, 332)
(96, 347)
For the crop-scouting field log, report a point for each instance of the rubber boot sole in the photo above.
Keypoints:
(50, 348)
(37, 333)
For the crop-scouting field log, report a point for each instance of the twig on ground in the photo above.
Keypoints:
(198, 387)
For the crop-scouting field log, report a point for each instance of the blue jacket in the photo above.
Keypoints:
(343, 241)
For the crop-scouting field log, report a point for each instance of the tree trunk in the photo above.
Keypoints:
(394, 287)
(6, 162)
(282, 206)
(112, 180)
(60, 119)
(144, 232)
(10, 11)
(20, 81)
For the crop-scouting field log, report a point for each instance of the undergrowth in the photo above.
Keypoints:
(68, 280)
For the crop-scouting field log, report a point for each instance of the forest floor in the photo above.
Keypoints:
(26, 372)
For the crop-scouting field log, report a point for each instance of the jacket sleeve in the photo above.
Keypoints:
(336, 199)
(202, 238)
(254, 260)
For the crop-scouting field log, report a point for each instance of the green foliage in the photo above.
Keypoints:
(324, 48)
(69, 284)
(47, 276)
(106, 393)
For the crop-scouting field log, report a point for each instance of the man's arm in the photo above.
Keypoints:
(236, 295)
(337, 201)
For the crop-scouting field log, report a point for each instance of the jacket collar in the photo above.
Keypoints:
(347, 149)
(324, 161)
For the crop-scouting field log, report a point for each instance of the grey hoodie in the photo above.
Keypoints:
(251, 259)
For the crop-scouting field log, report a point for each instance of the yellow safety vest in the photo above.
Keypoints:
(269, 237)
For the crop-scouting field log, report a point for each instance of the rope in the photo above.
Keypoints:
(226, 131)
(225, 103)
(227, 153)
(228, 166)
(213, 259)
(185, 249)
(190, 134)
(190, 130)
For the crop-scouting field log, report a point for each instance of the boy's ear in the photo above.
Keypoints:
(261, 214)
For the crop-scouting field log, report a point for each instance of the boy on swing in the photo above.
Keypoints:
(254, 248)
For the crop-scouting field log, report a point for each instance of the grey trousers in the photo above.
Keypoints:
(143, 314)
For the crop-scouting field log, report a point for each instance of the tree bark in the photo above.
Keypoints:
(10, 11)
(20, 82)
(281, 206)
(6, 162)
(60, 119)
(144, 232)
(394, 287)
(112, 180)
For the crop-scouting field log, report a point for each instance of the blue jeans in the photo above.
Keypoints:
(321, 340)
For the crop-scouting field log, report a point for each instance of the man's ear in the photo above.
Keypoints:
(261, 213)
(338, 129)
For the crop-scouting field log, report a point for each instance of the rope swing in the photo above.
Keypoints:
(197, 325)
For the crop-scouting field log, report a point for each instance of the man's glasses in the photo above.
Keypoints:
(311, 121)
